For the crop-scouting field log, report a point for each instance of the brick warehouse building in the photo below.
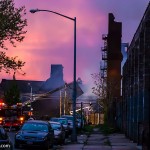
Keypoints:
(135, 106)
(111, 68)
(131, 110)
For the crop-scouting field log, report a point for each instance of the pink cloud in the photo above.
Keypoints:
(49, 39)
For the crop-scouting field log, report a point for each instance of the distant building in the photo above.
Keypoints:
(51, 88)
(55, 80)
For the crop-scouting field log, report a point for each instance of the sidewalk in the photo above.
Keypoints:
(97, 141)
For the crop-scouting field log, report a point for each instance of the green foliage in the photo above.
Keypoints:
(9, 63)
(106, 129)
(11, 23)
(88, 128)
(104, 89)
(12, 95)
(100, 90)
(12, 27)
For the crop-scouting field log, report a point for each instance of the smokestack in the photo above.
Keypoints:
(57, 71)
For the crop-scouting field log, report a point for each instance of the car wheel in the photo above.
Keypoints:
(67, 135)
(16, 145)
(63, 142)
(47, 146)
(52, 145)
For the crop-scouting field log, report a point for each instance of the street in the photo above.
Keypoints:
(94, 141)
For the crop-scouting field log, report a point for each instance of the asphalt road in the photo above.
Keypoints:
(11, 134)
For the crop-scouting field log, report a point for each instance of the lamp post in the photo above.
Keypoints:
(31, 96)
(74, 135)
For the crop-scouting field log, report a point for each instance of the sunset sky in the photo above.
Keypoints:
(49, 39)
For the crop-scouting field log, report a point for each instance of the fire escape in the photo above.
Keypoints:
(103, 65)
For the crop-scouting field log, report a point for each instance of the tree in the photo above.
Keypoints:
(11, 23)
(100, 90)
(104, 90)
(9, 63)
(11, 30)
(12, 95)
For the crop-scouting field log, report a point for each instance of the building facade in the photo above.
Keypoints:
(111, 68)
(135, 104)
(50, 97)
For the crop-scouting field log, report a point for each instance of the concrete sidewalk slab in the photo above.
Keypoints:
(118, 135)
(96, 135)
(82, 139)
(98, 141)
(124, 148)
(95, 147)
(119, 140)
(123, 144)
(73, 147)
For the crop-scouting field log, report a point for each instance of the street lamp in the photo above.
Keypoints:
(31, 97)
(74, 135)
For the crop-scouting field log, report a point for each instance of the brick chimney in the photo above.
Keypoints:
(57, 71)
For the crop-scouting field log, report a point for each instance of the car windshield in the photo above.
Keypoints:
(54, 119)
(35, 127)
(68, 117)
(63, 121)
(70, 122)
(56, 126)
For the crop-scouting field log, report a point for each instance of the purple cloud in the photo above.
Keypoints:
(50, 37)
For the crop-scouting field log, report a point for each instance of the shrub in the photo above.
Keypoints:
(106, 129)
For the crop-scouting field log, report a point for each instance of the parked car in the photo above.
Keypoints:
(64, 122)
(5, 142)
(35, 133)
(70, 121)
(59, 132)
(31, 118)
(80, 123)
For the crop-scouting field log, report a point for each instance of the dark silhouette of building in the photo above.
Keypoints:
(55, 80)
(111, 69)
(136, 84)
(45, 94)
(114, 55)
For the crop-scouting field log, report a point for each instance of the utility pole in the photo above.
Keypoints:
(60, 103)
(81, 115)
(65, 101)
(74, 134)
